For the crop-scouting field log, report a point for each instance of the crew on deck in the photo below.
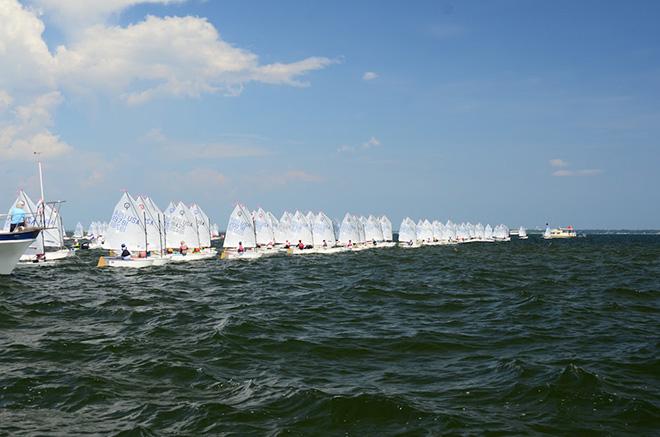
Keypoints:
(17, 216)
(125, 254)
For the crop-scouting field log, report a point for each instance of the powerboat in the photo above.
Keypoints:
(12, 247)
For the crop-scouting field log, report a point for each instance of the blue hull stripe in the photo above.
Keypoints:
(18, 236)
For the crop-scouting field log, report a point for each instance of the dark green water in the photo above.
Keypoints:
(522, 337)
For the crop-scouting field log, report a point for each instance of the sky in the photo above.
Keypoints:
(502, 111)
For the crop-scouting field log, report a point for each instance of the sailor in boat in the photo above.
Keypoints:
(325, 244)
(287, 245)
(350, 244)
(301, 246)
(374, 242)
(410, 243)
(183, 248)
(241, 249)
(269, 245)
(17, 215)
(125, 254)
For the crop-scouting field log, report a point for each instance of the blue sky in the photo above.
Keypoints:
(516, 112)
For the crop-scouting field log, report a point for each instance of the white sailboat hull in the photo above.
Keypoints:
(160, 261)
(12, 246)
(137, 263)
(56, 255)
(248, 254)
(178, 258)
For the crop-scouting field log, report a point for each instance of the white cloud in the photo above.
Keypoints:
(280, 179)
(27, 131)
(174, 56)
(75, 14)
(5, 100)
(584, 172)
(25, 62)
(370, 144)
(558, 163)
(210, 150)
(369, 75)
(170, 57)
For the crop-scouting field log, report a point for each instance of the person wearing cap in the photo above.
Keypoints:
(17, 216)
(183, 248)
(125, 254)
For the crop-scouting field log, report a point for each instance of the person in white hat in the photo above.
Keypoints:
(17, 216)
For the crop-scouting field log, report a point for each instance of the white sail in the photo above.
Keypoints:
(348, 230)
(407, 231)
(278, 236)
(386, 227)
(240, 229)
(78, 232)
(301, 230)
(522, 232)
(159, 218)
(49, 218)
(202, 224)
(479, 231)
(190, 235)
(263, 228)
(175, 226)
(282, 233)
(488, 232)
(310, 216)
(360, 225)
(150, 219)
(424, 231)
(322, 230)
(373, 230)
(126, 226)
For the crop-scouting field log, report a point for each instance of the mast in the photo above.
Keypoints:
(146, 240)
(160, 235)
(164, 231)
(43, 204)
(199, 244)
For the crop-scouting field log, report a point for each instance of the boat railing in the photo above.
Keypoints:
(34, 221)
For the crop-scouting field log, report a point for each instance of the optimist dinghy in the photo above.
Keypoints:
(240, 232)
(133, 263)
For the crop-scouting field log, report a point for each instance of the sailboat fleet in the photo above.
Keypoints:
(140, 234)
(259, 233)
(415, 234)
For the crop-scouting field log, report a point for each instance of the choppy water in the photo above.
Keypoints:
(520, 337)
